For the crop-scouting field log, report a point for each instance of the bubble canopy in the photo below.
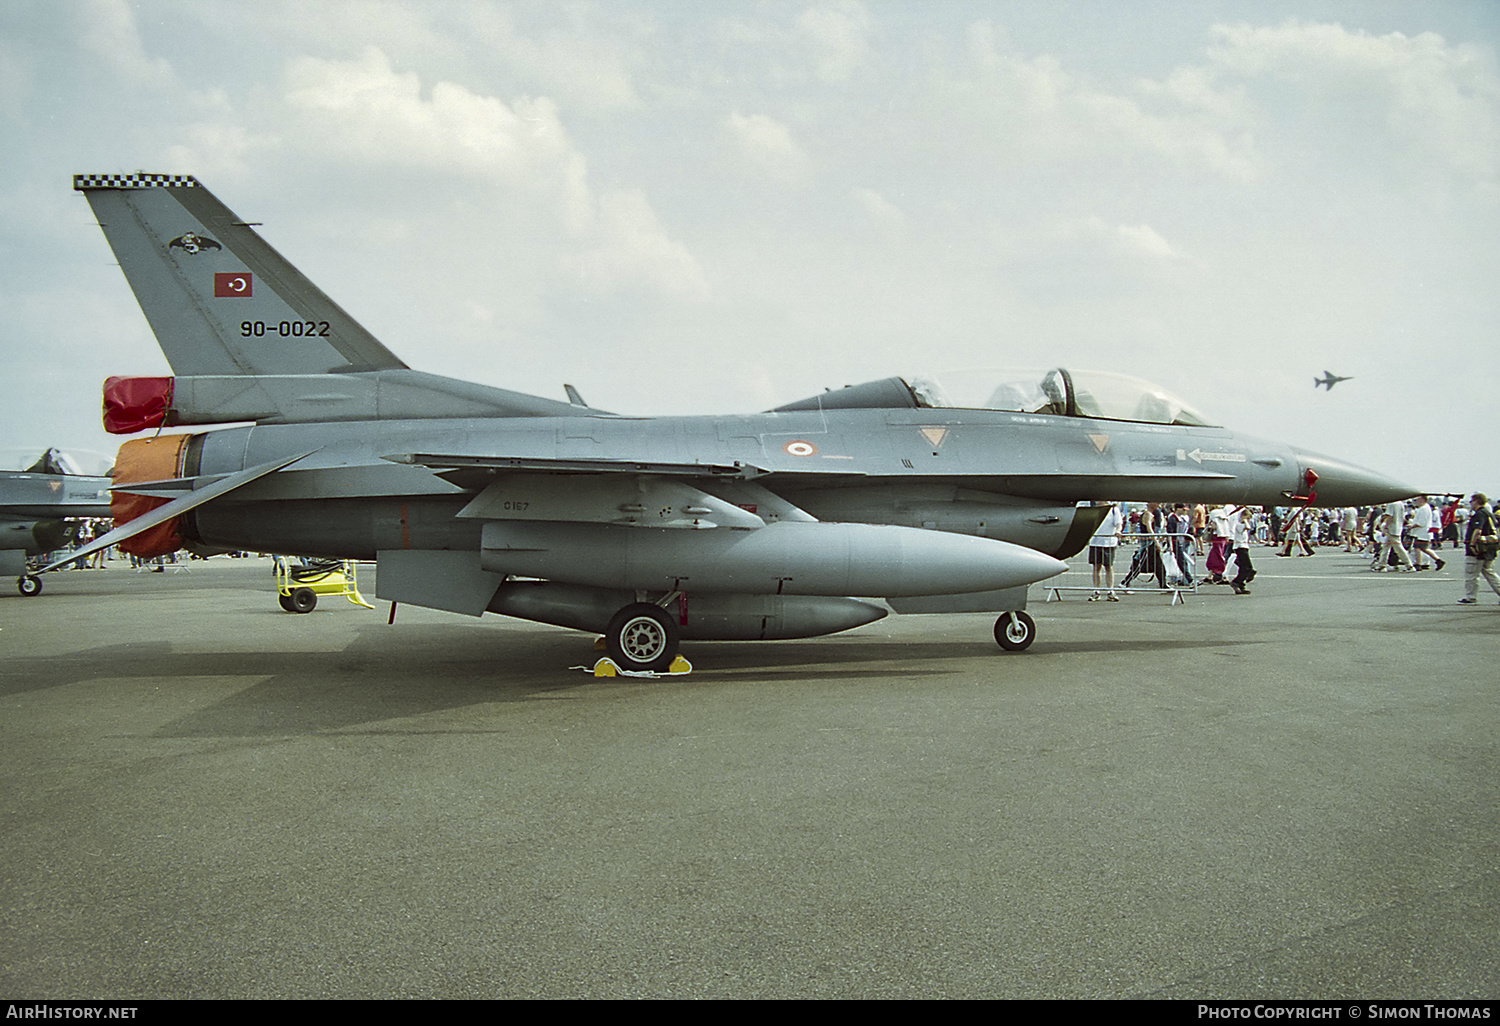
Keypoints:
(81, 462)
(1057, 392)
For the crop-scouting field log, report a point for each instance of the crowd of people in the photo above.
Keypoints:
(94, 527)
(1400, 537)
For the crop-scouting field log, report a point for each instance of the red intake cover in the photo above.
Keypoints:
(136, 404)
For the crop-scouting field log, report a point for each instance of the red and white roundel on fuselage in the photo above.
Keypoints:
(798, 447)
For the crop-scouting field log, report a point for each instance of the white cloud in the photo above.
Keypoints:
(1138, 244)
(377, 115)
(18, 69)
(380, 113)
(516, 159)
(1142, 239)
(768, 144)
(827, 42)
(838, 34)
(1048, 115)
(581, 69)
(632, 251)
(880, 210)
(1439, 98)
(1200, 89)
(221, 149)
(108, 31)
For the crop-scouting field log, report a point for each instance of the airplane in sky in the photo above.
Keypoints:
(1328, 380)
(791, 523)
(37, 510)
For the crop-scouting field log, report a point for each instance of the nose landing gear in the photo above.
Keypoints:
(1015, 631)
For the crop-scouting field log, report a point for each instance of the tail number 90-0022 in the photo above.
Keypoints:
(286, 329)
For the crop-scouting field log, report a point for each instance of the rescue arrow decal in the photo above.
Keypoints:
(1200, 457)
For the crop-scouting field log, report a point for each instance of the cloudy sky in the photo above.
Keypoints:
(719, 207)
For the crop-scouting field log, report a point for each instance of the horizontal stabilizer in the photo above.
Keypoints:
(175, 508)
(169, 489)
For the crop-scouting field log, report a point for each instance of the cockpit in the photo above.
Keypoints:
(54, 462)
(1057, 392)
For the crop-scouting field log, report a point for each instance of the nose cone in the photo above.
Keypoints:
(1344, 484)
(1027, 566)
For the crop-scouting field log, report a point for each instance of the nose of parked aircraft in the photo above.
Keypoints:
(1030, 566)
(1339, 483)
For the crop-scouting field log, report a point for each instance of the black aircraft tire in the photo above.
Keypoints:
(1015, 631)
(29, 585)
(303, 600)
(641, 637)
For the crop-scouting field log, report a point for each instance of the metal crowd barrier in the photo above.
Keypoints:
(1054, 591)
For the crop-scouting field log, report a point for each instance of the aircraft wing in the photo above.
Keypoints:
(633, 493)
(475, 471)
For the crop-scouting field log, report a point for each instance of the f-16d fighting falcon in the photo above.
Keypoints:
(1328, 380)
(37, 510)
(791, 523)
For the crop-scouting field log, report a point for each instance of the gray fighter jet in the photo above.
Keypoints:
(791, 523)
(1328, 380)
(38, 507)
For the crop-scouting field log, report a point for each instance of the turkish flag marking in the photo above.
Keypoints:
(232, 283)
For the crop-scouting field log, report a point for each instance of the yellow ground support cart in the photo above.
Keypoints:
(298, 585)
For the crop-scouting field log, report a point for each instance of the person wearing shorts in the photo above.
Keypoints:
(1102, 552)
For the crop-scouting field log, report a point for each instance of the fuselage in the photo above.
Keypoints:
(982, 472)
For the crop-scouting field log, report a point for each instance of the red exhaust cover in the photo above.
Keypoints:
(136, 404)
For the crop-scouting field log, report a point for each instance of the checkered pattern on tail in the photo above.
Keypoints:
(137, 181)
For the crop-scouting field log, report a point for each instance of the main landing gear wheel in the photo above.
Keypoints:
(303, 600)
(1015, 631)
(641, 637)
(29, 585)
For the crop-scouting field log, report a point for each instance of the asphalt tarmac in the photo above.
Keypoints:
(1291, 794)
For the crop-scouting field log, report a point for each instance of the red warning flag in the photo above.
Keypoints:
(232, 283)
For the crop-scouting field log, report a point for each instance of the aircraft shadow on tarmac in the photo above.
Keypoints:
(385, 675)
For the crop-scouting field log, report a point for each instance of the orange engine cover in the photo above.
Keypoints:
(148, 459)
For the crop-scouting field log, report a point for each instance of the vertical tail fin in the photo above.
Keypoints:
(220, 300)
